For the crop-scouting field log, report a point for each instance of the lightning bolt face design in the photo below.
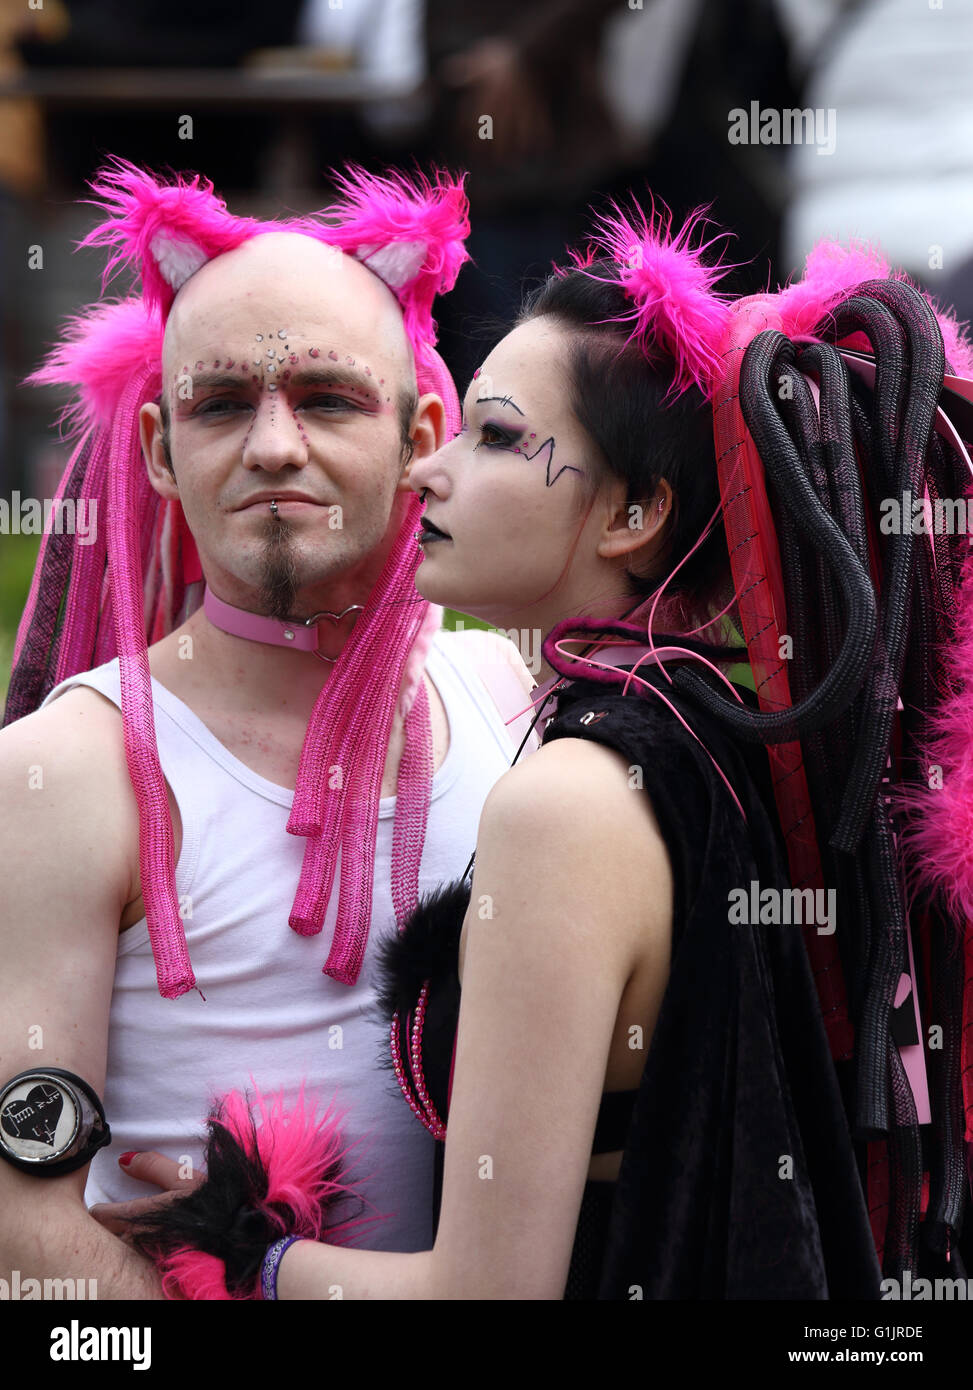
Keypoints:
(565, 467)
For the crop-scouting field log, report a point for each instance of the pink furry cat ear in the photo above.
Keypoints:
(675, 309)
(833, 271)
(409, 231)
(165, 231)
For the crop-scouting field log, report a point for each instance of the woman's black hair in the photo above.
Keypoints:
(643, 432)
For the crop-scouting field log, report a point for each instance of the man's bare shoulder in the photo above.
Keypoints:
(64, 767)
(79, 725)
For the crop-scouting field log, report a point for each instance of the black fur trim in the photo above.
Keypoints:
(427, 948)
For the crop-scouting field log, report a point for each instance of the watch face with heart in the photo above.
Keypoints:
(39, 1118)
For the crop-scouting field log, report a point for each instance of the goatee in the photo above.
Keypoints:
(278, 579)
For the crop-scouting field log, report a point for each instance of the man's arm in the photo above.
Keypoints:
(66, 825)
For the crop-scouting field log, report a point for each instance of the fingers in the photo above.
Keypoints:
(118, 1217)
(109, 1214)
(163, 1172)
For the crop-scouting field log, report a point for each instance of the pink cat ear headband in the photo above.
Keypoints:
(133, 584)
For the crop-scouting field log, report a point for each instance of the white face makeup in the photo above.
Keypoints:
(504, 498)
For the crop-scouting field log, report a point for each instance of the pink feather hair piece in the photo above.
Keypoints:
(939, 830)
(832, 272)
(99, 350)
(299, 1152)
(676, 307)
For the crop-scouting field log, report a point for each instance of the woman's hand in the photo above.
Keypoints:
(151, 1167)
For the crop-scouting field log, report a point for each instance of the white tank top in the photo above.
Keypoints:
(271, 1017)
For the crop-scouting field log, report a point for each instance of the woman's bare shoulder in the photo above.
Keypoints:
(571, 817)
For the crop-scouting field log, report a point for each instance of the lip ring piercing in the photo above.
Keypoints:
(273, 506)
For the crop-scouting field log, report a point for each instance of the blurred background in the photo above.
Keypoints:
(553, 106)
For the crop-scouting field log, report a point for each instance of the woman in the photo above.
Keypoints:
(638, 1100)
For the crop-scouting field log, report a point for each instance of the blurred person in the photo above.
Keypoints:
(896, 77)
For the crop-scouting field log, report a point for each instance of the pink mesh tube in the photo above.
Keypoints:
(156, 849)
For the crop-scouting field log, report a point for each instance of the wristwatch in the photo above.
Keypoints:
(51, 1122)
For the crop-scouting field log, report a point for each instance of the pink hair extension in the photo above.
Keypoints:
(329, 815)
(676, 307)
(297, 1151)
(156, 847)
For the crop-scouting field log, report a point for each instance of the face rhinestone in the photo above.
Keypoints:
(282, 332)
(260, 337)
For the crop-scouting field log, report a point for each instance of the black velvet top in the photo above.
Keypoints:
(738, 1176)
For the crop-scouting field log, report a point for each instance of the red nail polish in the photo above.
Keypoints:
(125, 1159)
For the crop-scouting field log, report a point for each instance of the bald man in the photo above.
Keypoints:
(261, 456)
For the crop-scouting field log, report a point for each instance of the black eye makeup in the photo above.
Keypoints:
(494, 436)
(513, 438)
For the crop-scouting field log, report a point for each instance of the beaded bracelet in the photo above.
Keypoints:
(271, 1264)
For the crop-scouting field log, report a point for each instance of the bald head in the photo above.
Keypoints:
(286, 291)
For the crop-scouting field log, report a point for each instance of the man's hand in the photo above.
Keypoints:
(122, 1217)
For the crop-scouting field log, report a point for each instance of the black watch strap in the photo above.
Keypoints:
(51, 1122)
